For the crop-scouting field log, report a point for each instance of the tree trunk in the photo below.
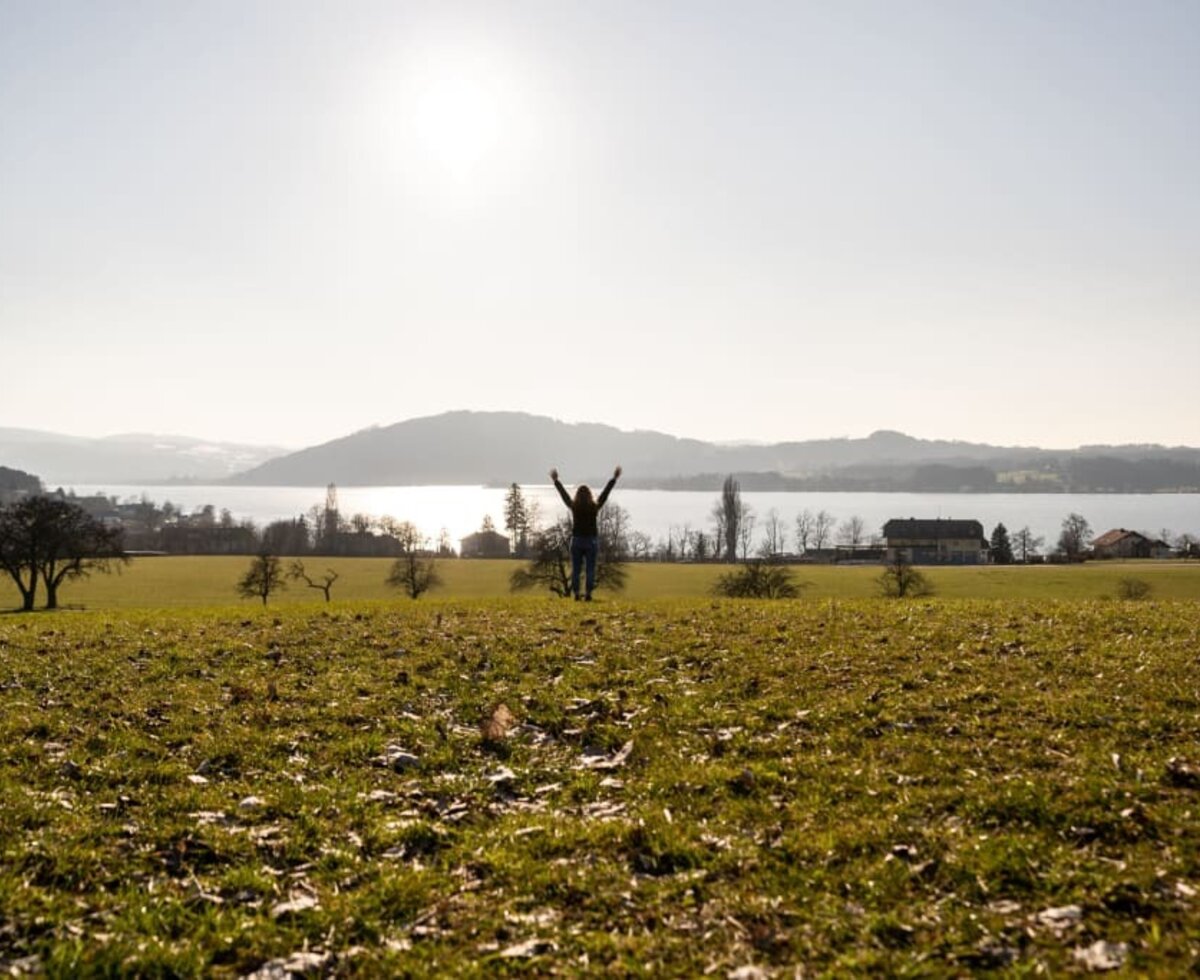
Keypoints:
(51, 595)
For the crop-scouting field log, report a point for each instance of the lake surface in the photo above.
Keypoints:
(460, 510)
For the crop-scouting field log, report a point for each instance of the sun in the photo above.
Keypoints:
(464, 118)
(458, 122)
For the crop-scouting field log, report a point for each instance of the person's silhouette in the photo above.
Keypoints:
(585, 534)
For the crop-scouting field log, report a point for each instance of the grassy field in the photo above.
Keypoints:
(854, 787)
(209, 581)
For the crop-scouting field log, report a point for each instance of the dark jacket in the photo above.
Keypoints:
(583, 512)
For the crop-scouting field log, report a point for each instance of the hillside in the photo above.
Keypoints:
(133, 458)
(501, 447)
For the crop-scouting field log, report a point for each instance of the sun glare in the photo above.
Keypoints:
(458, 122)
(464, 120)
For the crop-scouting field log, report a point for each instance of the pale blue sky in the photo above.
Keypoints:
(281, 222)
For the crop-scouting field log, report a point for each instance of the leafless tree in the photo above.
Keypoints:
(1073, 540)
(550, 564)
(405, 533)
(746, 531)
(361, 523)
(851, 531)
(263, 577)
(900, 578)
(804, 529)
(774, 534)
(822, 528)
(54, 540)
(680, 540)
(613, 524)
(324, 582)
(1026, 544)
(413, 571)
(641, 545)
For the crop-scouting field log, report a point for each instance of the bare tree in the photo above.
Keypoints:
(324, 583)
(413, 571)
(53, 540)
(264, 576)
(822, 528)
(613, 524)
(900, 578)
(758, 580)
(774, 534)
(550, 564)
(361, 523)
(1026, 544)
(851, 531)
(641, 545)
(680, 541)
(1073, 540)
(804, 529)
(746, 531)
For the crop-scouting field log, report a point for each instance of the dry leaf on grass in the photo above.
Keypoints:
(591, 761)
(1102, 955)
(498, 724)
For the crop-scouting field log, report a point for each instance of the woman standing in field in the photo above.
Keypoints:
(585, 535)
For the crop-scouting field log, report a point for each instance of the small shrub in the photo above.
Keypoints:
(1132, 588)
(901, 579)
(758, 580)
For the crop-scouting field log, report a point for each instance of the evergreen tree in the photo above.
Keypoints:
(516, 519)
(1002, 552)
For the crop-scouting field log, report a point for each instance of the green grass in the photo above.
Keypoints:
(209, 581)
(860, 787)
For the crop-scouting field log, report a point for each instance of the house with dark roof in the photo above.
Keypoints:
(936, 541)
(1123, 543)
(484, 544)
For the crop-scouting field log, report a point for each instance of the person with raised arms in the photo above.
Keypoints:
(585, 532)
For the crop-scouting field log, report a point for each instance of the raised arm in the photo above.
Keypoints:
(608, 487)
(562, 491)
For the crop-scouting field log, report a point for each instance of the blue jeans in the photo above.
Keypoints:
(584, 549)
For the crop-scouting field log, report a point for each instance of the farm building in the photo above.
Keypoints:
(936, 541)
(1123, 543)
(484, 544)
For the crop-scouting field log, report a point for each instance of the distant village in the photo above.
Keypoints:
(151, 528)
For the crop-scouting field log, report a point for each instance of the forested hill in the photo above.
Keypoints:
(503, 447)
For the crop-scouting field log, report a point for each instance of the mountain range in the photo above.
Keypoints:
(132, 458)
(498, 448)
(505, 447)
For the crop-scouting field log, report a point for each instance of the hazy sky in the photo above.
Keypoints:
(284, 221)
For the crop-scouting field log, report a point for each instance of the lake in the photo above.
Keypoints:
(460, 509)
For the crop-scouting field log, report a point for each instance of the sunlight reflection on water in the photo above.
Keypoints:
(460, 509)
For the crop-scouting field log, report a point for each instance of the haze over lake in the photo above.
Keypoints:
(460, 509)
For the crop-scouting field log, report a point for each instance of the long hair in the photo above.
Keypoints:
(583, 495)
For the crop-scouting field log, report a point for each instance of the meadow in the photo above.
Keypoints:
(824, 786)
(164, 582)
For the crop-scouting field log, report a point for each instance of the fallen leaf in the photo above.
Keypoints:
(530, 947)
(301, 903)
(607, 762)
(498, 724)
(1102, 955)
(1060, 917)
